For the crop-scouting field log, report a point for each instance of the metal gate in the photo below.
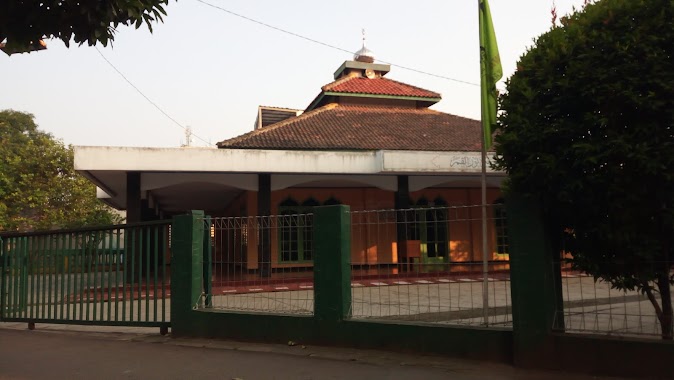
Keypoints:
(108, 276)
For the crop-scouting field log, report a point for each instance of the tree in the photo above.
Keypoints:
(24, 23)
(39, 188)
(587, 129)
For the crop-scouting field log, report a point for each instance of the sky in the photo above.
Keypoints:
(210, 70)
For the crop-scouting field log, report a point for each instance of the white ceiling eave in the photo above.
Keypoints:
(198, 173)
(156, 180)
(225, 160)
(206, 160)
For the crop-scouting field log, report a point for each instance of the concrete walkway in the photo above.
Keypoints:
(71, 352)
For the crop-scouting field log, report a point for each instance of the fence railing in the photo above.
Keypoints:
(593, 306)
(261, 264)
(116, 275)
(421, 265)
(347, 311)
(426, 265)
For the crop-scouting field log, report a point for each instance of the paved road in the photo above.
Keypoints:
(52, 354)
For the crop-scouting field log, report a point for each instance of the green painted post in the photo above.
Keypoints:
(535, 282)
(332, 263)
(3, 271)
(208, 262)
(186, 267)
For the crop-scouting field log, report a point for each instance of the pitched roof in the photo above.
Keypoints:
(348, 127)
(267, 116)
(377, 86)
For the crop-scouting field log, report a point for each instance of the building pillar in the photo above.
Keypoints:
(402, 202)
(264, 209)
(133, 248)
(133, 198)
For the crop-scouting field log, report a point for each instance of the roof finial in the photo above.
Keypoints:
(364, 55)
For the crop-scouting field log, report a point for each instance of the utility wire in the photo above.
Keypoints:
(329, 45)
(148, 99)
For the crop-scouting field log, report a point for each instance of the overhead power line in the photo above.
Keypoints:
(148, 99)
(276, 28)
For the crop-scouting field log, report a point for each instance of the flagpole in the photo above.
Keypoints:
(490, 73)
(485, 261)
(483, 180)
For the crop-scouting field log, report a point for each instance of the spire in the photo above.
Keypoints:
(364, 55)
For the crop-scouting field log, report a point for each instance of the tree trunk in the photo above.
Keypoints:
(667, 316)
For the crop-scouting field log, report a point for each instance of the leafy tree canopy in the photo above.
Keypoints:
(587, 129)
(23, 23)
(39, 188)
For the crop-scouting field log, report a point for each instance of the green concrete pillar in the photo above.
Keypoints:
(332, 263)
(186, 267)
(207, 252)
(535, 281)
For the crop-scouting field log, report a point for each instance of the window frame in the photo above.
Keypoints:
(422, 224)
(303, 235)
(501, 232)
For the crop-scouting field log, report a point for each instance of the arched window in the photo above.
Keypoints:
(288, 231)
(416, 221)
(309, 203)
(430, 227)
(289, 203)
(332, 201)
(295, 230)
(501, 229)
(436, 229)
(307, 233)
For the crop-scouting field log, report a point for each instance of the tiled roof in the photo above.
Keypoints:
(377, 86)
(341, 127)
(279, 108)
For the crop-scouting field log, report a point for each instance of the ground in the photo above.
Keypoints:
(74, 352)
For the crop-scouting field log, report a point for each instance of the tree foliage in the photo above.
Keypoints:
(39, 188)
(587, 129)
(23, 22)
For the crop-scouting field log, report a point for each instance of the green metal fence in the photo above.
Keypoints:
(114, 275)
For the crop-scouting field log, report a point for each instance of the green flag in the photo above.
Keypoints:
(490, 70)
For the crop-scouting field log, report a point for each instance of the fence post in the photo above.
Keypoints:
(3, 269)
(534, 282)
(186, 267)
(332, 263)
(208, 262)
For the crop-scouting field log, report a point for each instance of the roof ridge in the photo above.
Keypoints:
(406, 109)
(331, 85)
(337, 82)
(275, 126)
(415, 87)
(399, 109)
